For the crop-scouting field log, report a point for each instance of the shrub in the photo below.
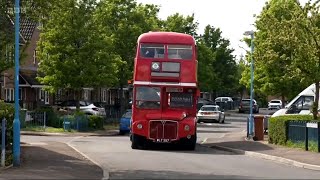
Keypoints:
(277, 128)
(7, 111)
(95, 122)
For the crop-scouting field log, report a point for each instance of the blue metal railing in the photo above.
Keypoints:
(79, 123)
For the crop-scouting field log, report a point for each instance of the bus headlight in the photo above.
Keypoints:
(139, 126)
(186, 127)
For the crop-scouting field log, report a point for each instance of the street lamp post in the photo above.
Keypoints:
(16, 121)
(251, 33)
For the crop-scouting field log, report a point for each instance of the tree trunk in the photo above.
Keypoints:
(283, 101)
(315, 104)
(77, 100)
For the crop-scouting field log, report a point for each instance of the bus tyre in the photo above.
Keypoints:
(135, 142)
(191, 143)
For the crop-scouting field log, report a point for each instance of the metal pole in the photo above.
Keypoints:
(3, 143)
(16, 121)
(251, 88)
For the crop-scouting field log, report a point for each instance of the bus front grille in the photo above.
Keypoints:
(162, 129)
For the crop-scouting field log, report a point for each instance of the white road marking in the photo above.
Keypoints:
(204, 141)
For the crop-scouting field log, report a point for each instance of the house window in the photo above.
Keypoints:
(86, 94)
(9, 53)
(20, 94)
(103, 95)
(41, 95)
(44, 96)
(34, 56)
(9, 92)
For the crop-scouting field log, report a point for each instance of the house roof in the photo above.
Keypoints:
(27, 28)
(29, 76)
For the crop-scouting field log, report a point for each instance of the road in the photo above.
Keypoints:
(114, 154)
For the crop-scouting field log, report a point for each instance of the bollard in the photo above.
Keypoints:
(306, 139)
(248, 127)
(3, 144)
(318, 137)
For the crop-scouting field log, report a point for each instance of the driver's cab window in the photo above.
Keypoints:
(148, 97)
(303, 103)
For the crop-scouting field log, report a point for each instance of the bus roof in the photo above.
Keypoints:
(166, 38)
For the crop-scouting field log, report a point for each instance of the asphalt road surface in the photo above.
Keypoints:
(114, 155)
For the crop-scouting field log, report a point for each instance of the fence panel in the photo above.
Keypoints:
(79, 123)
(303, 132)
(297, 131)
(35, 120)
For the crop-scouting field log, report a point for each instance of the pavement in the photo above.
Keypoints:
(56, 160)
(237, 143)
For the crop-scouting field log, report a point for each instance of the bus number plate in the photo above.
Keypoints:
(162, 140)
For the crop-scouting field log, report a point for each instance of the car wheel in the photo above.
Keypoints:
(121, 132)
(221, 120)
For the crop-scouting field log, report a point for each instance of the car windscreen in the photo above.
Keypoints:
(127, 114)
(275, 102)
(209, 108)
(246, 102)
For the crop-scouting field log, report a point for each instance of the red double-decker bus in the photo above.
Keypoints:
(165, 91)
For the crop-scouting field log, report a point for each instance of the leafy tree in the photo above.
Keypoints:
(306, 29)
(274, 52)
(222, 68)
(6, 38)
(72, 51)
(179, 23)
(124, 21)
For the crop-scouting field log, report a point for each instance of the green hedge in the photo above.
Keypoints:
(277, 128)
(96, 122)
(7, 111)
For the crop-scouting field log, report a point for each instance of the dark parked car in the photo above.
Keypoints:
(245, 106)
(202, 102)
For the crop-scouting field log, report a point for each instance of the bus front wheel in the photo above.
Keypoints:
(134, 141)
(191, 143)
(138, 142)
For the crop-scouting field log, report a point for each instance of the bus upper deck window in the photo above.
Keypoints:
(180, 52)
(152, 50)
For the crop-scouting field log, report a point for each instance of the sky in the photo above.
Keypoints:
(233, 17)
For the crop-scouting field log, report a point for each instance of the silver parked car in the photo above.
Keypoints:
(85, 106)
(210, 113)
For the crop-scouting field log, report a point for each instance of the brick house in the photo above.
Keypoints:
(32, 94)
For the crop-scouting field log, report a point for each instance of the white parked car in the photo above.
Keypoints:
(85, 106)
(274, 104)
(210, 113)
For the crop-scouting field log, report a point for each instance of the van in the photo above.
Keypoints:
(301, 104)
